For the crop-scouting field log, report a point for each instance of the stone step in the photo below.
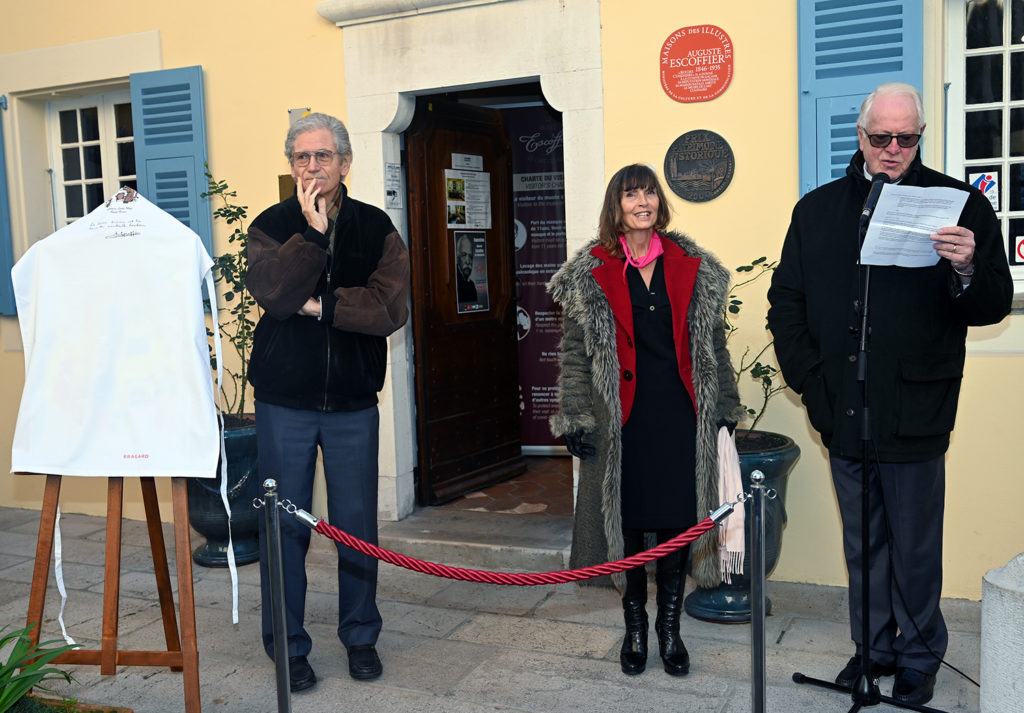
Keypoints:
(482, 540)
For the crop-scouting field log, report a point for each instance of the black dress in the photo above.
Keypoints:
(659, 441)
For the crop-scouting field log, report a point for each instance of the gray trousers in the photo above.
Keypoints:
(288, 440)
(905, 555)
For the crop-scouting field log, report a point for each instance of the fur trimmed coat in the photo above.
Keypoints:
(590, 398)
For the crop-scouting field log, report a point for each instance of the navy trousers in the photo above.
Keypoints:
(907, 502)
(288, 440)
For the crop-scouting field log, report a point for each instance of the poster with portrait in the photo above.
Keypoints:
(471, 271)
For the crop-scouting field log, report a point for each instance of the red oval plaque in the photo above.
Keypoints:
(696, 63)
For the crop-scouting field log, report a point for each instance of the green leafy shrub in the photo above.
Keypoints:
(27, 666)
(767, 375)
(229, 270)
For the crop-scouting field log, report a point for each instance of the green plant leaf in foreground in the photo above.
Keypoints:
(27, 666)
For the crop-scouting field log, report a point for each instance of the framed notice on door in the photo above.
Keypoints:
(471, 271)
(468, 198)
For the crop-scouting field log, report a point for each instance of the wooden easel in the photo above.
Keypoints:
(177, 657)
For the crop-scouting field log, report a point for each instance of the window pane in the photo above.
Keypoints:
(90, 124)
(126, 159)
(983, 134)
(1017, 76)
(1017, 22)
(93, 162)
(123, 121)
(131, 184)
(1016, 232)
(987, 179)
(984, 24)
(68, 126)
(1017, 132)
(1015, 191)
(73, 201)
(72, 166)
(93, 195)
(984, 78)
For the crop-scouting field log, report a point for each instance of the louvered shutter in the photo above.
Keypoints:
(170, 144)
(846, 49)
(6, 249)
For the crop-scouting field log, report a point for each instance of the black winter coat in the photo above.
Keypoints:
(918, 321)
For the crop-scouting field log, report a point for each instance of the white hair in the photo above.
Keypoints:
(312, 122)
(892, 89)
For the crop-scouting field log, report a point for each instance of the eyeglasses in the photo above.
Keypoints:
(881, 141)
(323, 157)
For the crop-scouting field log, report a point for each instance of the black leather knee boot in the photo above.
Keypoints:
(633, 656)
(669, 578)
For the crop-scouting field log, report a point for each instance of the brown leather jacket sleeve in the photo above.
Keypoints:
(282, 276)
(382, 306)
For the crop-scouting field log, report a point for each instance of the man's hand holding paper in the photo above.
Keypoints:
(956, 244)
(914, 227)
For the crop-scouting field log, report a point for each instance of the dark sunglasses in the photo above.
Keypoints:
(881, 141)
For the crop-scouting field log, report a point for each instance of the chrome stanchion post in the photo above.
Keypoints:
(276, 571)
(758, 677)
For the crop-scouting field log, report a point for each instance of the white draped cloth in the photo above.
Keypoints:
(117, 367)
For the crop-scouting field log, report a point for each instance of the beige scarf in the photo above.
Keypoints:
(730, 533)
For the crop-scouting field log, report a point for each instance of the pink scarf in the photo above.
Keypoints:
(653, 251)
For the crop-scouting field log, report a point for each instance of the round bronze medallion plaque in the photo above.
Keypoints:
(699, 165)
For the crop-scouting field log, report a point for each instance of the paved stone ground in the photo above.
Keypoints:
(447, 647)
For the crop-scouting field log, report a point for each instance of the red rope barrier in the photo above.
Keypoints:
(523, 579)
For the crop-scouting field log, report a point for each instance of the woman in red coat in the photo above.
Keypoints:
(645, 382)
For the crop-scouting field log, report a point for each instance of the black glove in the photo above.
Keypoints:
(577, 446)
(731, 425)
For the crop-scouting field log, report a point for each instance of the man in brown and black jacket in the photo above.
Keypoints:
(332, 275)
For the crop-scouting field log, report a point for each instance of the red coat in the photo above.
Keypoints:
(680, 275)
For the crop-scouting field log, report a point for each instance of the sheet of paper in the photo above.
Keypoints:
(904, 218)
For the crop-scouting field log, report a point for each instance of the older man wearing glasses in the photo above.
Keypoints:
(332, 275)
(918, 320)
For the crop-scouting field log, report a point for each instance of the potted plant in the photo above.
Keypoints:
(237, 317)
(772, 453)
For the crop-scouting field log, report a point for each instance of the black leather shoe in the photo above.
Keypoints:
(300, 674)
(364, 663)
(913, 686)
(848, 676)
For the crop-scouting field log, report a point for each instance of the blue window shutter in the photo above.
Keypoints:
(6, 249)
(170, 144)
(846, 49)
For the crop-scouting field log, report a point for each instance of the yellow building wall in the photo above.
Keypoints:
(260, 58)
(757, 116)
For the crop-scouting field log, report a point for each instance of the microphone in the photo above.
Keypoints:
(877, 181)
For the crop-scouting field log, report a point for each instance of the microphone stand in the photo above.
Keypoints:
(865, 690)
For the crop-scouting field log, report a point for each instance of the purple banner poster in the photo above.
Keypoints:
(535, 134)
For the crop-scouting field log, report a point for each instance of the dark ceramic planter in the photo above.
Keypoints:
(206, 509)
(774, 455)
